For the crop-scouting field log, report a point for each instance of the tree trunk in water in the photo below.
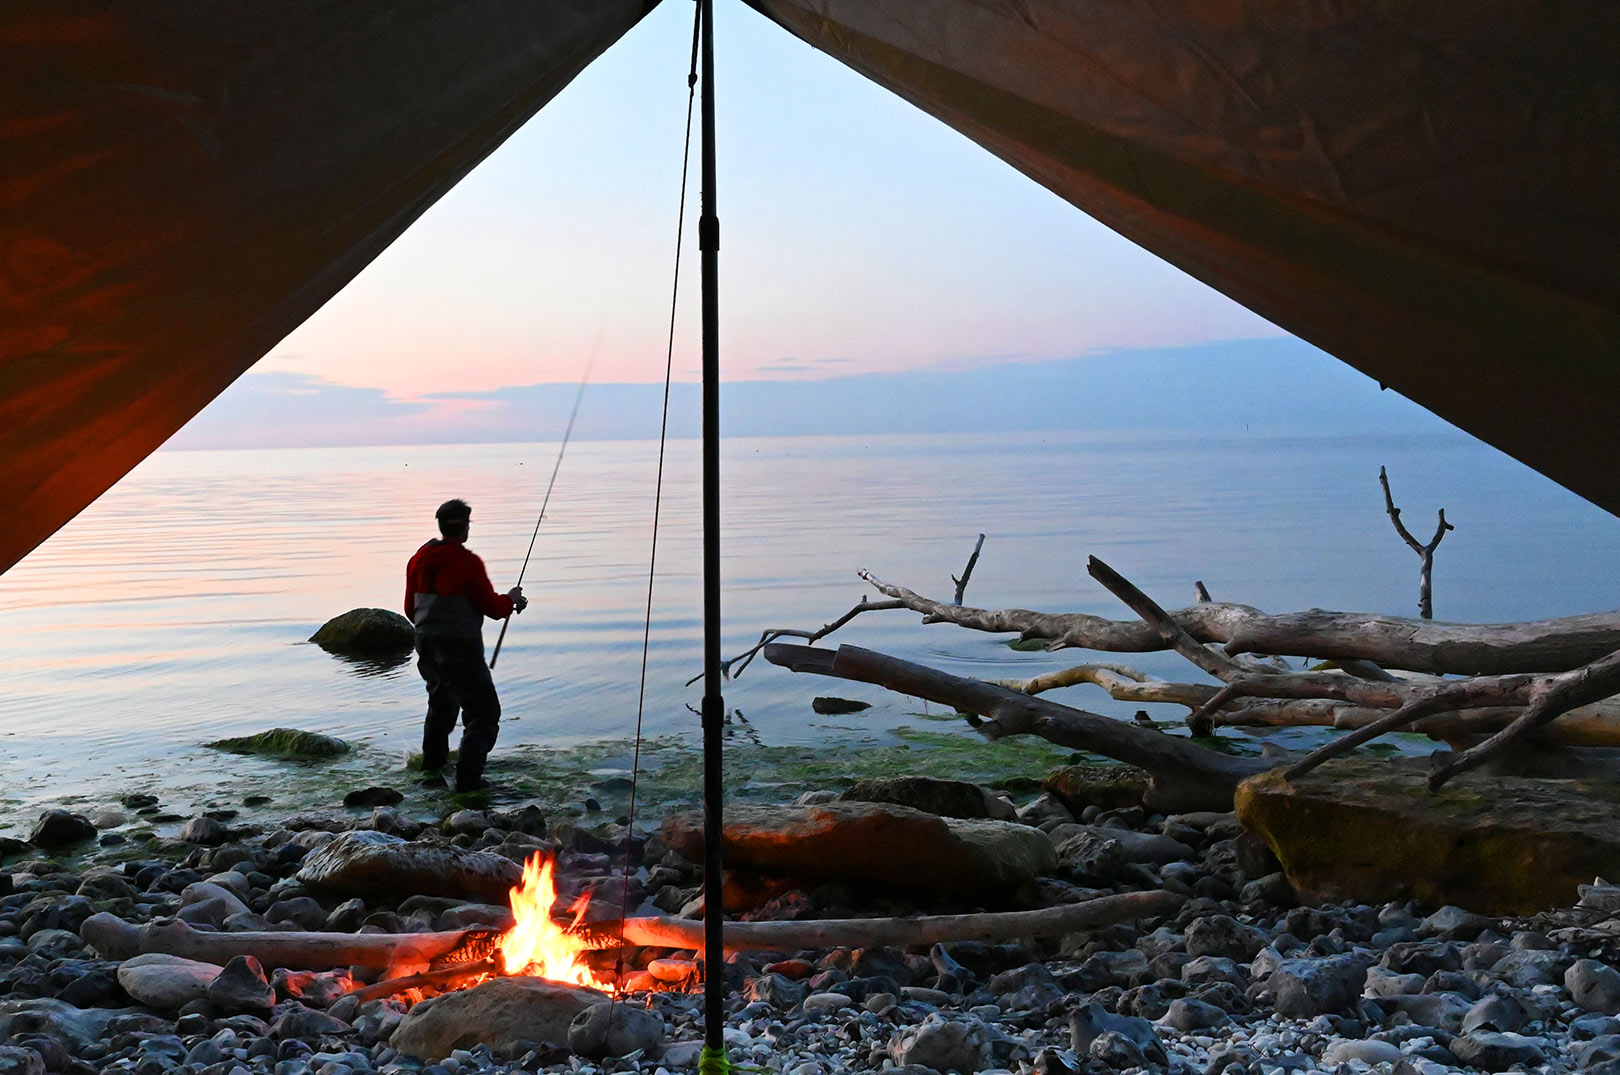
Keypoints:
(1183, 775)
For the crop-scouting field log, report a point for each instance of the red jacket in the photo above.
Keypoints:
(447, 589)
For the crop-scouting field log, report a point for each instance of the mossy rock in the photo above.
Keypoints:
(285, 743)
(1368, 830)
(1107, 787)
(366, 632)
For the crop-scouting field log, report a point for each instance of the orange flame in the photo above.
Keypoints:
(537, 946)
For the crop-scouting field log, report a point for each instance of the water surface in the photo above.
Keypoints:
(174, 610)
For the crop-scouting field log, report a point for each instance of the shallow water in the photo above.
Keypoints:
(174, 610)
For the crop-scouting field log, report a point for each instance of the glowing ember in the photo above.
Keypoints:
(536, 945)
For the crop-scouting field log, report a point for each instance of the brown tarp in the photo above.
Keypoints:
(183, 182)
(1427, 189)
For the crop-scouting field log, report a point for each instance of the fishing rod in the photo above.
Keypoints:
(579, 397)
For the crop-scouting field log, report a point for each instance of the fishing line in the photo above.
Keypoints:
(658, 501)
(579, 397)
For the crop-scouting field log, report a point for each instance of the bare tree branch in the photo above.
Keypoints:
(1425, 552)
(967, 572)
(1171, 633)
(742, 660)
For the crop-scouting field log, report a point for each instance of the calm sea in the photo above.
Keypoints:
(175, 609)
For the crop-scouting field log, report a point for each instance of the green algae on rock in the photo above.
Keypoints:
(284, 743)
(1367, 830)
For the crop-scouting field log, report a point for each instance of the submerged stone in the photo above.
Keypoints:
(284, 743)
(1368, 830)
(828, 706)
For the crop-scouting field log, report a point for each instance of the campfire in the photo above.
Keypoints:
(536, 945)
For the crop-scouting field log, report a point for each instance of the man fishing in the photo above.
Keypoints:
(447, 596)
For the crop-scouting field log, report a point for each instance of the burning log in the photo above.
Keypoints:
(451, 977)
(114, 938)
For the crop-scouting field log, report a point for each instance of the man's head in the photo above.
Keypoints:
(453, 516)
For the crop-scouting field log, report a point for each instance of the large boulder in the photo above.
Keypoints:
(1368, 831)
(376, 864)
(931, 795)
(497, 1014)
(366, 632)
(876, 843)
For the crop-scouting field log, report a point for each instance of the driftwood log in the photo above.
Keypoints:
(1524, 677)
(113, 938)
(1469, 649)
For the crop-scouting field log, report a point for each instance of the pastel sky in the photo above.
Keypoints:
(858, 235)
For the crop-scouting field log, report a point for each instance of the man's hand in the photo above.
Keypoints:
(519, 602)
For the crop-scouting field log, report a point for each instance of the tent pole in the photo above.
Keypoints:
(713, 710)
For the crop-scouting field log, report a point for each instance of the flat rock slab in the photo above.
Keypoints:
(375, 864)
(875, 843)
(496, 1013)
(1368, 830)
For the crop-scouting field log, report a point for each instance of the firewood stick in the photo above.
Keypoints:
(114, 938)
(433, 978)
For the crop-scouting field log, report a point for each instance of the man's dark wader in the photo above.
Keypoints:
(450, 656)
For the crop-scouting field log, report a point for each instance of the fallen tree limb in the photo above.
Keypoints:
(1183, 775)
(907, 932)
(114, 938)
(1388, 641)
(1543, 698)
(1123, 684)
(1554, 696)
